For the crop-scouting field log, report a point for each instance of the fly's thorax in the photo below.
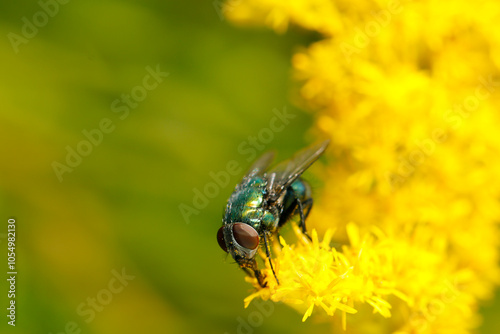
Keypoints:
(260, 219)
(252, 195)
(249, 195)
(257, 182)
(242, 199)
(247, 206)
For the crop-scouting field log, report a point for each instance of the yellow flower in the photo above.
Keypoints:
(373, 268)
(408, 92)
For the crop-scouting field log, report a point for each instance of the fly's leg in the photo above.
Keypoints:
(268, 253)
(304, 209)
(260, 278)
(252, 267)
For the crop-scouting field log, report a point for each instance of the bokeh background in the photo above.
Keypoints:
(118, 209)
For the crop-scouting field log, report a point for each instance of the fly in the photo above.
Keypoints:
(262, 203)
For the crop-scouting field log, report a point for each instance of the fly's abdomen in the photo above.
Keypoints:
(300, 190)
(297, 191)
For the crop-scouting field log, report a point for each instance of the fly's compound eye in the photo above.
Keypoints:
(220, 239)
(246, 236)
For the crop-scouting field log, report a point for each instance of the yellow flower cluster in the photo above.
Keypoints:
(313, 273)
(408, 92)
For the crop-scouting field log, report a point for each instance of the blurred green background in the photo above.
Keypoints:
(118, 208)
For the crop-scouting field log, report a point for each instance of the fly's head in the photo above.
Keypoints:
(241, 241)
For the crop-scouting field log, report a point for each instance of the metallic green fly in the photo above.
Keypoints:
(262, 203)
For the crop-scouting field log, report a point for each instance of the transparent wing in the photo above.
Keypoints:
(288, 171)
(261, 164)
(259, 167)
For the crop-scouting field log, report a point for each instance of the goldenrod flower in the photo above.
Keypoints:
(408, 92)
(313, 274)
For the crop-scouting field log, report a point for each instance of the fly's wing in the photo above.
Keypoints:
(259, 167)
(283, 175)
(261, 164)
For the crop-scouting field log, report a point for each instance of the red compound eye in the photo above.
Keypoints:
(245, 235)
(220, 239)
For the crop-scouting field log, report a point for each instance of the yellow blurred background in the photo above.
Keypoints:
(114, 114)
